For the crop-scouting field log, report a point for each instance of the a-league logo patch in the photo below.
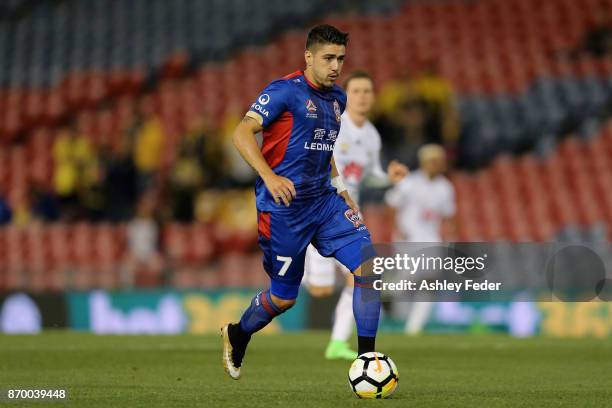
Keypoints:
(353, 217)
(311, 106)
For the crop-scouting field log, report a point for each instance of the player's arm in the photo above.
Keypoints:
(339, 184)
(377, 177)
(245, 140)
(395, 197)
(396, 171)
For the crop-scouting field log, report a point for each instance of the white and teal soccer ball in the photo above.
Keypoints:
(373, 375)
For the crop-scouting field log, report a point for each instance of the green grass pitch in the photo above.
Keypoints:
(288, 370)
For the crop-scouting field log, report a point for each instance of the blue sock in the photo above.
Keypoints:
(366, 306)
(261, 312)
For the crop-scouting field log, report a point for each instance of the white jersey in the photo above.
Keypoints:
(421, 203)
(357, 154)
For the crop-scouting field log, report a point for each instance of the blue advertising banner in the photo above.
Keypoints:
(168, 311)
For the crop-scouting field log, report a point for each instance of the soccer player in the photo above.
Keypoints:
(357, 157)
(300, 196)
(423, 201)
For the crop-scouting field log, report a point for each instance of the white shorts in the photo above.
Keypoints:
(320, 271)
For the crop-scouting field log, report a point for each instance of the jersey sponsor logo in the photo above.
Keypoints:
(264, 99)
(353, 217)
(319, 146)
(260, 109)
(319, 133)
(332, 135)
(337, 111)
(353, 171)
(343, 147)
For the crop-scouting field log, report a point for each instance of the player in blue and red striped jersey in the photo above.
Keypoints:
(301, 198)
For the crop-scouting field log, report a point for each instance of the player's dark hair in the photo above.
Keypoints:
(325, 34)
(357, 75)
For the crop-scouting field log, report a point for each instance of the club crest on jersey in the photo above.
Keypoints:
(353, 217)
(337, 111)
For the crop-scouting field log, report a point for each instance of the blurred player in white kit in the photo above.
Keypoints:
(423, 201)
(357, 157)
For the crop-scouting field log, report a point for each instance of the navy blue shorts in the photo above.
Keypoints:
(327, 222)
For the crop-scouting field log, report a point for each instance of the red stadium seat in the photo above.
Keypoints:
(97, 88)
(109, 243)
(233, 271)
(184, 278)
(208, 277)
(202, 246)
(175, 65)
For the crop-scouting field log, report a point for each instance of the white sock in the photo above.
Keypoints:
(343, 316)
(417, 319)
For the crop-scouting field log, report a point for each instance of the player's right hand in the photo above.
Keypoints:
(396, 171)
(281, 188)
(349, 201)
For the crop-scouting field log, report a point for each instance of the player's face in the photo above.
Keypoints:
(434, 166)
(325, 62)
(360, 94)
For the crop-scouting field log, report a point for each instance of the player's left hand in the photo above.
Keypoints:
(349, 201)
(396, 171)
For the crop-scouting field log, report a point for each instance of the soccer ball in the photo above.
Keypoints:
(373, 375)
